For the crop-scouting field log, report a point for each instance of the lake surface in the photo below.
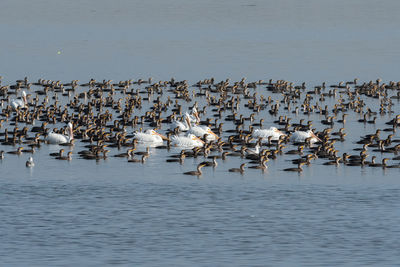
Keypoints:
(111, 212)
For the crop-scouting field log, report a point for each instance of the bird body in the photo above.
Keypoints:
(149, 136)
(198, 172)
(200, 131)
(16, 103)
(301, 136)
(56, 138)
(189, 140)
(182, 125)
(265, 133)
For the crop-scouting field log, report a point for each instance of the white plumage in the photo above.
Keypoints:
(149, 136)
(265, 133)
(255, 151)
(15, 103)
(56, 138)
(30, 163)
(182, 125)
(200, 131)
(301, 136)
(187, 141)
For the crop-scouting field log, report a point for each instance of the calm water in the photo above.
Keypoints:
(111, 212)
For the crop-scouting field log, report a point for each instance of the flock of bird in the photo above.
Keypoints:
(214, 120)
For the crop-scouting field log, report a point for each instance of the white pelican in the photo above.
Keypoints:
(195, 115)
(149, 136)
(265, 133)
(30, 163)
(56, 138)
(301, 136)
(183, 126)
(15, 103)
(187, 141)
(200, 131)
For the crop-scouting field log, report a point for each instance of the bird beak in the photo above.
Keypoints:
(196, 115)
(196, 138)
(279, 132)
(212, 133)
(188, 122)
(313, 135)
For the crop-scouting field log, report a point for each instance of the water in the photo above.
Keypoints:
(111, 212)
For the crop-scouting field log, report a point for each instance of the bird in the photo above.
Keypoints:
(265, 133)
(190, 140)
(29, 163)
(16, 152)
(68, 157)
(383, 164)
(19, 103)
(263, 164)
(149, 136)
(212, 163)
(301, 136)
(198, 172)
(298, 169)
(142, 160)
(57, 138)
(182, 125)
(240, 169)
(180, 159)
(200, 131)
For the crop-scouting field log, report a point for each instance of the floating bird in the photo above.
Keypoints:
(298, 169)
(149, 136)
(265, 133)
(56, 138)
(29, 163)
(188, 141)
(301, 136)
(198, 172)
(240, 169)
(19, 103)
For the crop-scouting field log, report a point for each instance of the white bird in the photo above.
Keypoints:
(255, 151)
(194, 116)
(15, 103)
(183, 126)
(56, 138)
(200, 131)
(301, 136)
(30, 163)
(149, 136)
(265, 133)
(188, 141)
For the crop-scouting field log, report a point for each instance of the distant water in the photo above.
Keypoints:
(110, 212)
